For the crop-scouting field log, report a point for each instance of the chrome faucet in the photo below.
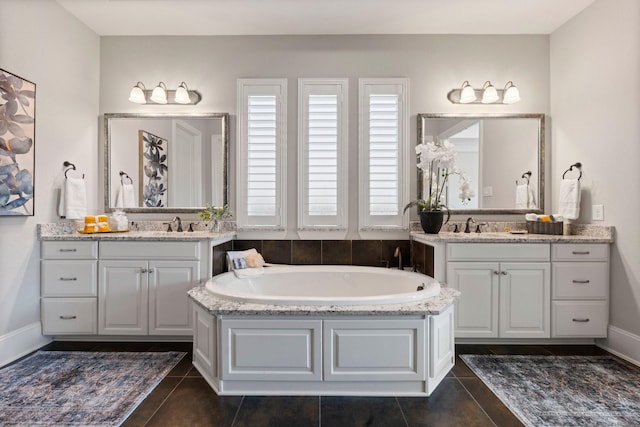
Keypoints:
(177, 218)
(398, 254)
(469, 220)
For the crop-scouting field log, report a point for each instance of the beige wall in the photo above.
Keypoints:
(43, 43)
(595, 87)
(434, 65)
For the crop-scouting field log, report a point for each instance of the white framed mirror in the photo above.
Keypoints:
(166, 162)
(497, 152)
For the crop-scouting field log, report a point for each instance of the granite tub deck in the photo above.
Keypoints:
(220, 306)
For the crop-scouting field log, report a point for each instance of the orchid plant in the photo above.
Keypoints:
(437, 162)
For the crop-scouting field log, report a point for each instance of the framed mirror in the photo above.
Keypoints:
(503, 155)
(166, 162)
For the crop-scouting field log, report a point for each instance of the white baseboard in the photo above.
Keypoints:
(20, 342)
(623, 344)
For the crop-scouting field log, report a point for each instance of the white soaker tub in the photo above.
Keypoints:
(325, 285)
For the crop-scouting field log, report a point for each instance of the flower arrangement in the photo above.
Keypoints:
(437, 162)
(214, 215)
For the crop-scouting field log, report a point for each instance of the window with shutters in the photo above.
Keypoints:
(322, 151)
(384, 153)
(261, 153)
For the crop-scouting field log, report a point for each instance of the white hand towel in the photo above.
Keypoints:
(75, 198)
(522, 194)
(531, 198)
(570, 198)
(126, 197)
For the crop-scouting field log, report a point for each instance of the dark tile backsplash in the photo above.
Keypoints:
(375, 253)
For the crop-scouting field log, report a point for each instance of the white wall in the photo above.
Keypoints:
(43, 43)
(434, 64)
(595, 87)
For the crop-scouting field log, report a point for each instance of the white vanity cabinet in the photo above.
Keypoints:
(68, 287)
(580, 306)
(505, 289)
(143, 287)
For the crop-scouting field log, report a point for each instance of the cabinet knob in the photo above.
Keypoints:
(68, 279)
(144, 270)
(581, 281)
(496, 272)
(504, 273)
(581, 320)
(68, 317)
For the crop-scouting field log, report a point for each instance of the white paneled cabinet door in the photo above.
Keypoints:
(476, 310)
(123, 298)
(169, 304)
(525, 300)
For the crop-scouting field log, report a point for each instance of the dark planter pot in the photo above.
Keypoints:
(432, 221)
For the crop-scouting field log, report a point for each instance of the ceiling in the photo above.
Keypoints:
(267, 17)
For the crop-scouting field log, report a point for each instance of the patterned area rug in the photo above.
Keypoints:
(79, 388)
(563, 390)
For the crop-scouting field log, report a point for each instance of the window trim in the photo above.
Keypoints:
(306, 227)
(246, 88)
(393, 223)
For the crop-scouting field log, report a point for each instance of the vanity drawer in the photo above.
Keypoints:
(62, 278)
(578, 280)
(69, 250)
(62, 316)
(579, 319)
(150, 250)
(531, 252)
(580, 252)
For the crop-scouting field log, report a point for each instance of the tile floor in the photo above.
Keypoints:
(183, 398)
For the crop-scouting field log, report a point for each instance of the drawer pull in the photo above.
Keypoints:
(68, 317)
(68, 279)
(496, 272)
(504, 273)
(581, 320)
(581, 252)
(581, 281)
(69, 250)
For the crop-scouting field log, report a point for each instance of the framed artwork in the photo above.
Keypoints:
(154, 170)
(17, 144)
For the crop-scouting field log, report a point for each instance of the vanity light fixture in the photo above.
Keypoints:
(467, 93)
(182, 94)
(162, 96)
(511, 93)
(137, 94)
(159, 94)
(488, 94)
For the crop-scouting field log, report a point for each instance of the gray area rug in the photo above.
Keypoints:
(79, 388)
(563, 390)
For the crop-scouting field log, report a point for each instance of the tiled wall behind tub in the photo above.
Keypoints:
(376, 253)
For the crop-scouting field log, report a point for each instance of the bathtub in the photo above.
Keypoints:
(325, 285)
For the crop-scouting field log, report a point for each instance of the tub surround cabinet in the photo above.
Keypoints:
(525, 287)
(323, 354)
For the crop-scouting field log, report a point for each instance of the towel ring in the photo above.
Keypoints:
(578, 166)
(123, 176)
(69, 166)
(527, 176)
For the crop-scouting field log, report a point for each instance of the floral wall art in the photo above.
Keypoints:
(154, 170)
(17, 136)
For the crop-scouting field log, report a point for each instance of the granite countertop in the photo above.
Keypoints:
(221, 306)
(574, 233)
(141, 231)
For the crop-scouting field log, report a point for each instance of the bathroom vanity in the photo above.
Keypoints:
(122, 284)
(525, 287)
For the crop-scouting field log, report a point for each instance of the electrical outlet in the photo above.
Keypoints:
(597, 212)
(487, 191)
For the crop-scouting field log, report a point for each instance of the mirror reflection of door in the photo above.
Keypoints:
(465, 136)
(185, 158)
